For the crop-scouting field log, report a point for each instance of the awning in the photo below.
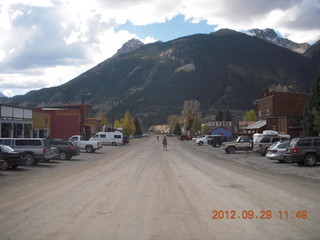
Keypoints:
(256, 125)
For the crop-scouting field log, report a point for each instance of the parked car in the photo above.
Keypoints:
(265, 140)
(36, 149)
(11, 158)
(204, 140)
(1, 162)
(243, 143)
(184, 137)
(89, 146)
(304, 150)
(217, 140)
(277, 150)
(65, 150)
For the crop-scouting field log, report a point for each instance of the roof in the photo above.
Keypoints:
(256, 125)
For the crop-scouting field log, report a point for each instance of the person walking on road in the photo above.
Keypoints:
(164, 143)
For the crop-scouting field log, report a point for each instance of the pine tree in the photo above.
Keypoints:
(310, 122)
(138, 131)
(219, 116)
(177, 129)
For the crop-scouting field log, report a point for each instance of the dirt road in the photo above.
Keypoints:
(138, 191)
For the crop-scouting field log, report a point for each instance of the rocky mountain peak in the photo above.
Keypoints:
(129, 46)
(271, 36)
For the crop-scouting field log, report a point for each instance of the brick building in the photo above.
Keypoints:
(282, 111)
(66, 121)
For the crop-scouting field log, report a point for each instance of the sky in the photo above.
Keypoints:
(46, 43)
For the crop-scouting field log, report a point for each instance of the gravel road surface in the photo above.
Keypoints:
(138, 191)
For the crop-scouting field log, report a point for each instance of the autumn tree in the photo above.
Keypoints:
(250, 116)
(190, 112)
(205, 129)
(128, 124)
(172, 120)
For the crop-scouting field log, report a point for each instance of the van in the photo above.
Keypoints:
(263, 141)
(108, 137)
(36, 149)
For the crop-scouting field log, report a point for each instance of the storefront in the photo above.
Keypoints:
(15, 122)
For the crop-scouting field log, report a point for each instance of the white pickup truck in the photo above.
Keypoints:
(89, 146)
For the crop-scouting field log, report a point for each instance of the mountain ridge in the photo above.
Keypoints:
(271, 36)
(225, 70)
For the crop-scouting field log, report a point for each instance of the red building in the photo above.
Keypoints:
(282, 111)
(67, 120)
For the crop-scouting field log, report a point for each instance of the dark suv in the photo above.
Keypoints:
(304, 150)
(216, 141)
(64, 149)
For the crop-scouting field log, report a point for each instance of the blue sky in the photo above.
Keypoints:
(175, 28)
(46, 43)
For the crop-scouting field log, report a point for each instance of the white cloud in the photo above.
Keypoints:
(48, 42)
(8, 93)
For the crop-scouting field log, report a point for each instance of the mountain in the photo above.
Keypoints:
(2, 95)
(271, 36)
(129, 46)
(314, 51)
(224, 70)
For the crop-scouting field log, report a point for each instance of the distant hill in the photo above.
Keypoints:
(3, 96)
(271, 36)
(223, 70)
(314, 51)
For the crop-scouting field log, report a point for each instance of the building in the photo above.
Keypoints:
(66, 121)
(15, 122)
(282, 111)
(224, 128)
(41, 124)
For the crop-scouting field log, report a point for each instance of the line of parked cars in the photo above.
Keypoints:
(29, 151)
(302, 150)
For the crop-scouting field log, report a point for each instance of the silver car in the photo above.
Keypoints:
(277, 150)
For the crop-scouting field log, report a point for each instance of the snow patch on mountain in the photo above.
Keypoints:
(271, 36)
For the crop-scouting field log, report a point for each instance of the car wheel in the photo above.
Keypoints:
(115, 144)
(200, 143)
(264, 152)
(62, 155)
(231, 150)
(217, 145)
(5, 165)
(30, 160)
(310, 160)
(89, 149)
(282, 160)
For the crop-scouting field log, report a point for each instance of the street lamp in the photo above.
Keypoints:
(82, 94)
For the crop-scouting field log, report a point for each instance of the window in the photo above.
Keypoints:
(28, 142)
(276, 139)
(265, 140)
(117, 136)
(103, 136)
(304, 142)
(316, 142)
